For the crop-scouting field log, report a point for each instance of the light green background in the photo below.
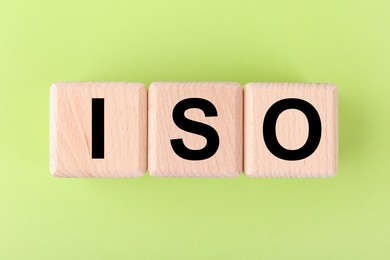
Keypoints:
(339, 41)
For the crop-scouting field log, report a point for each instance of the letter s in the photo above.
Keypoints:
(195, 127)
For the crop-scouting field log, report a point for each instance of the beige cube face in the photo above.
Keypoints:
(226, 98)
(291, 129)
(125, 129)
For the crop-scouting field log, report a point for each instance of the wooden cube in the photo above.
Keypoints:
(195, 129)
(98, 129)
(290, 130)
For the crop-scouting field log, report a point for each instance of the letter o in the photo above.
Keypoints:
(269, 129)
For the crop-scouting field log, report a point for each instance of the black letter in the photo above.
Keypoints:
(195, 127)
(98, 128)
(269, 132)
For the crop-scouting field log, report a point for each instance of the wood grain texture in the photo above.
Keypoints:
(227, 99)
(125, 133)
(291, 130)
